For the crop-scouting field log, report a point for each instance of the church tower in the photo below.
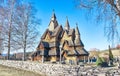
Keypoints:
(67, 26)
(53, 23)
(58, 44)
(78, 41)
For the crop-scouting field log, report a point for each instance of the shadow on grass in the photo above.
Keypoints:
(10, 71)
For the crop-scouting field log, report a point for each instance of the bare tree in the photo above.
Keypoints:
(1, 38)
(8, 10)
(19, 24)
(104, 11)
(1, 25)
(26, 32)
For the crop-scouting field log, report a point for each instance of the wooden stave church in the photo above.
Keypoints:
(60, 44)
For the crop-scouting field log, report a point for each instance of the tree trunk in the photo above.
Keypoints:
(25, 42)
(24, 54)
(9, 42)
(24, 49)
(10, 15)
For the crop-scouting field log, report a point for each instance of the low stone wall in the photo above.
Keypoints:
(44, 69)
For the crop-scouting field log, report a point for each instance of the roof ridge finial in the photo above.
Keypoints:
(67, 26)
(76, 24)
(67, 17)
(53, 15)
(53, 10)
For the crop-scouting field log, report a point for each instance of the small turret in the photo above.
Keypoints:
(78, 41)
(53, 16)
(77, 30)
(67, 26)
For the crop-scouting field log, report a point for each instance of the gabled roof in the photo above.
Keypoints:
(54, 33)
(64, 31)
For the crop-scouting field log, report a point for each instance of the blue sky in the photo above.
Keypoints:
(92, 35)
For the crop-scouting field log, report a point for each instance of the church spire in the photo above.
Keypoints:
(77, 30)
(53, 22)
(67, 26)
(77, 37)
(53, 16)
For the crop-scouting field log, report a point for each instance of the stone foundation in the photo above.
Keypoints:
(44, 69)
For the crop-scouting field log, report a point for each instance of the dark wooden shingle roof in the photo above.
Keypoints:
(78, 42)
(82, 51)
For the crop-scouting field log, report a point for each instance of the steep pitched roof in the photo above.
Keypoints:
(72, 52)
(77, 31)
(82, 51)
(78, 42)
(56, 30)
(44, 34)
(71, 43)
(71, 31)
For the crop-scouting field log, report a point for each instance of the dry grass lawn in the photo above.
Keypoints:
(8, 71)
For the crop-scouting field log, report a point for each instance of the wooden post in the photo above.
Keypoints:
(88, 60)
(42, 58)
(60, 56)
(84, 59)
(91, 60)
(60, 53)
